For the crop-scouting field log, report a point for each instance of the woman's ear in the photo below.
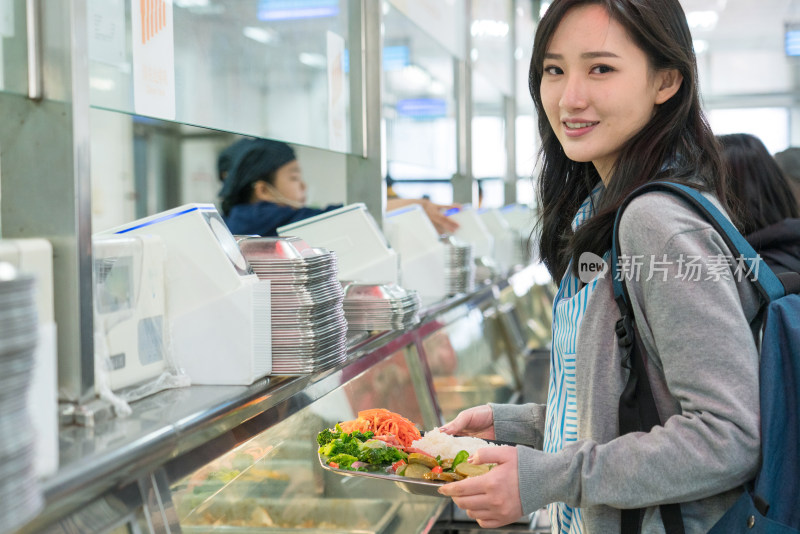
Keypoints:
(669, 81)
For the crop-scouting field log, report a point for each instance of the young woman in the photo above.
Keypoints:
(263, 189)
(767, 210)
(615, 86)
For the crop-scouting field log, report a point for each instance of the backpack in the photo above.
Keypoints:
(771, 503)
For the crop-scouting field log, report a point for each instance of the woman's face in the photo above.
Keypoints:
(597, 87)
(289, 182)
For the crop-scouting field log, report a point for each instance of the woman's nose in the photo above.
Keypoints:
(574, 93)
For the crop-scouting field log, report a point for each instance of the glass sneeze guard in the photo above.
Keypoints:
(255, 67)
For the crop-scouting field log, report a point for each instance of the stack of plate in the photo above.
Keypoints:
(20, 495)
(380, 306)
(309, 331)
(459, 267)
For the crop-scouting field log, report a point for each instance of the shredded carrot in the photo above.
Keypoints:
(383, 422)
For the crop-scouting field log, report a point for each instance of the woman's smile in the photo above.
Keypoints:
(578, 127)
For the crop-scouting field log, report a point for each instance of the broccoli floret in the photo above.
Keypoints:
(362, 436)
(344, 460)
(385, 455)
(340, 446)
(328, 435)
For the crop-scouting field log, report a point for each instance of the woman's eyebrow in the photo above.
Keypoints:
(585, 55)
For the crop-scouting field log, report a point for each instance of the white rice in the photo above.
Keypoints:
(437, 443)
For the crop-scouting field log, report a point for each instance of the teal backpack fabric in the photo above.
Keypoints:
(771, 503)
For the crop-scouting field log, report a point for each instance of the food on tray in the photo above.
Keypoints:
(383, 423)
(369, 444)
(437, 443)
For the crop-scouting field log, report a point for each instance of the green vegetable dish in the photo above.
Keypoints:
(360, 451)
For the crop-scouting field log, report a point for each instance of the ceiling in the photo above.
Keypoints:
(744, 24)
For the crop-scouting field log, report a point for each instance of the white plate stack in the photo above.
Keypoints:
(459, 266)
(380, 306)
(309, 331)
(20, 494)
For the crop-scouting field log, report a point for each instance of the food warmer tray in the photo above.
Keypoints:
(297, 516)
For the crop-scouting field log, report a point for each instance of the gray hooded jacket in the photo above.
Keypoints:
(703, 366)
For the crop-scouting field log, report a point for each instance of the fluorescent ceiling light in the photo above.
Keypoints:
(437, 88)
(488, 28)
(415, 76)
(101, 84)
(261, 35)
(702, 20)
(313, 60)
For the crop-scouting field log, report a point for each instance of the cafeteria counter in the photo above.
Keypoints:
(220, 458)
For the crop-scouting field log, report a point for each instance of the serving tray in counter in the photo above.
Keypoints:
(295, 516)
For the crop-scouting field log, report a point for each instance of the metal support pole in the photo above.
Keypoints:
(510, 110)
(464, 187)
(364, 180)
(32, 14)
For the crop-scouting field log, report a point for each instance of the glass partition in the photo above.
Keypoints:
(267, 68)
(13, 47)
(488, 136)
(141, 166)
(443, 20)
(492, 50)
(469, 363)
(274, 480)
(418, 103)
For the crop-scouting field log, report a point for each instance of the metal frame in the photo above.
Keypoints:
(465, 190)
(45, 141)
(510, 109)
(364, 178)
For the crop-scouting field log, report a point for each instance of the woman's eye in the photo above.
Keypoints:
(553, 70)
(602, 69)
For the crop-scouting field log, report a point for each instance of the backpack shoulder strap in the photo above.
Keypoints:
(767, 283)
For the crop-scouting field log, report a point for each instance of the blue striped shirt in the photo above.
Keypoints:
(561, 419)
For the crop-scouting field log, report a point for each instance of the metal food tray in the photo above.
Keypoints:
(415, 486)
(333, 516)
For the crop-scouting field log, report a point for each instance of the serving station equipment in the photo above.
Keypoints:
(215, 458)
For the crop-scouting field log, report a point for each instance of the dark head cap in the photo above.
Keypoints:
(258, 160)
(228, 156)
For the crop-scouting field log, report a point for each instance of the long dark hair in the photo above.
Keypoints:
(758, 188)
(677, 142)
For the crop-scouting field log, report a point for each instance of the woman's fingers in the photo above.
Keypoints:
(477, 421)
(491, 499)
(495, 455)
